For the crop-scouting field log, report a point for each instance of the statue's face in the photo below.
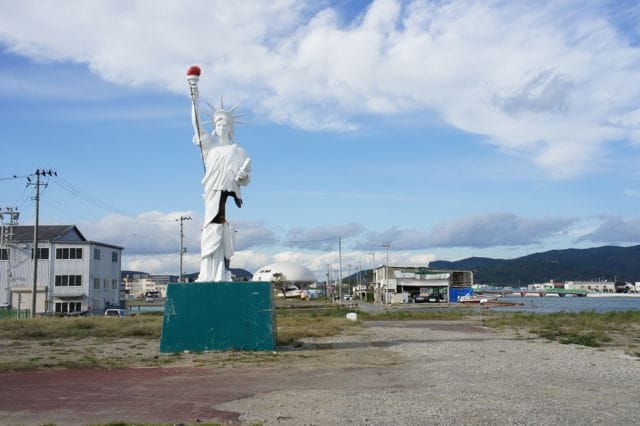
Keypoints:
(222, 128)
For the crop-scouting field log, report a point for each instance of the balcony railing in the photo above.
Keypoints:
(68, 291)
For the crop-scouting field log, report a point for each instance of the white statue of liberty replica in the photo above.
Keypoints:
(218, 314)
(227, 168)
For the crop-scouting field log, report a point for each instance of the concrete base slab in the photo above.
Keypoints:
(219, 316)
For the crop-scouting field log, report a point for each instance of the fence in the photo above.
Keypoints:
(12, 313)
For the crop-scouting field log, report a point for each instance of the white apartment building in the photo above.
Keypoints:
(73, 274)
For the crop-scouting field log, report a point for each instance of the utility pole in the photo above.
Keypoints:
(326, 288)
(36, 255)
(373, 280)
(183, 250)
(386, 272)
(6, 242)
(340, 268)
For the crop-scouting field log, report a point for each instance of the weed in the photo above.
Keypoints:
(584, 328)
(632, 353)
(293, 328)
(421, 315)
(56, 328)
(590, 339)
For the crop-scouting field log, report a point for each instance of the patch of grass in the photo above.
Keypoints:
(313, 311)
(18, 366)
(57, 328)
(418, 315)
(581, 328)
(85, 361)
(295, 327)
(594, 340)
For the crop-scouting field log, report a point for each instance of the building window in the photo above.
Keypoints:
(96, 254)
(96, 283)
(114, 256)
(69, 253)
(104, 283)
(4, 254)
(114, 284)
(65, 307)
(43, 253)
(68, 281)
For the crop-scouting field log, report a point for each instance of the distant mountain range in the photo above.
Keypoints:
(237, 272)
(600, 263)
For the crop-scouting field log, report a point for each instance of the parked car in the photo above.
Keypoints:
(78, 314)
(115, 313)
(151, 295)
(420, 299)
(292, 291)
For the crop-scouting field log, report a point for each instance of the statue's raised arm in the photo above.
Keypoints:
(200, 138)
(227, 168)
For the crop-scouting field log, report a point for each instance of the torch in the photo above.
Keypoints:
(193, 75)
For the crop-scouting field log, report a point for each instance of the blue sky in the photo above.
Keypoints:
(449, 129)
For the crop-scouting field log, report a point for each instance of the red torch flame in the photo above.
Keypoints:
(194, 70)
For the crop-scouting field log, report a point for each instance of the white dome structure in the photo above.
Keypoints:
(295, 274)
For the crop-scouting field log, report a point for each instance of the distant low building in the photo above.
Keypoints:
(140, 284)
(74, 274)
(293, 274)
(597, 286)
(407, 284)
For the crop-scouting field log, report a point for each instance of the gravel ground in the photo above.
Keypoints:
(435, 372)
(380, 373)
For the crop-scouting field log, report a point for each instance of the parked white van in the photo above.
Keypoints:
(115, 313)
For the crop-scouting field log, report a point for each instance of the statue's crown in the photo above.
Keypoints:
(223, 114)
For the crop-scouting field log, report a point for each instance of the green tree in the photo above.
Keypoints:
(280, 282)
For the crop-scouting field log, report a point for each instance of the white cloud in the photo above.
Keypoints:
(147, 233)
(252, 234)
(633, 193)
(615, 230)
(250, 260)
(161, 263)
(320, 263)
(555, 81)
(490, 230)
(151, 241)
(159, 232)
(322, 237)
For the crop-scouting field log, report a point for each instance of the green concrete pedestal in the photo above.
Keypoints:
(219, 316)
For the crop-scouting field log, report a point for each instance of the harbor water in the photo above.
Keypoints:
(569, 304)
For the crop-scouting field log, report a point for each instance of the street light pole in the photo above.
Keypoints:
(182, 249)
(349, 279)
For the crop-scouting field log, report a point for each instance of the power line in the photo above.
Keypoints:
(96, 202)
(271, 240)
(15, 177)
(84, 196)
